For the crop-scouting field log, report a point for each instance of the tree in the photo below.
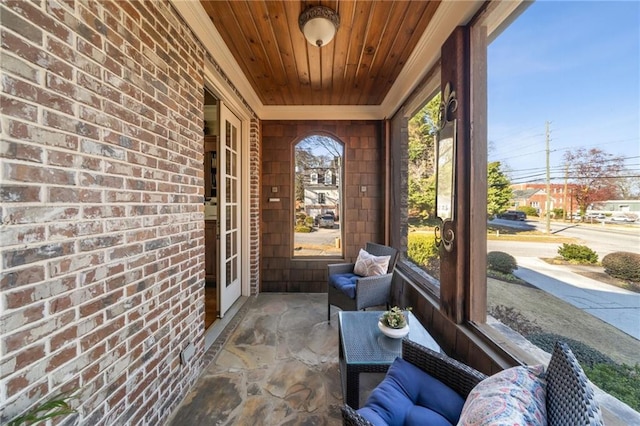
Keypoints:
(499, 189)
(421, 144)
(593, 174)
(628, 186)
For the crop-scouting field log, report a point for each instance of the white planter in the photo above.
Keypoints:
(394, 333)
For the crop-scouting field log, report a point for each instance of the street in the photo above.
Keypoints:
(603, 239)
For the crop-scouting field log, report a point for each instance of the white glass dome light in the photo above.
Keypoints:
(319, 25)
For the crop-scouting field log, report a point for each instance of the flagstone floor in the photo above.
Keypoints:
(277, 366)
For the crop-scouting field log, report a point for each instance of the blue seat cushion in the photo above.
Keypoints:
(345, 283)
(409, 396)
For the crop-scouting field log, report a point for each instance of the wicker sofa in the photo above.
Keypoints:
(566, 399)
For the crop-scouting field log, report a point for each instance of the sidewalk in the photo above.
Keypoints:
(616, 306)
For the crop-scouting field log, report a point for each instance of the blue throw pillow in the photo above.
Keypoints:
(409, 396)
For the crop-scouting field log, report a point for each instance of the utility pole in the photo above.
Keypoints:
(548, 206)
(564, 192)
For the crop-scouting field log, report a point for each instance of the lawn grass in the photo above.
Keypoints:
(554, 315)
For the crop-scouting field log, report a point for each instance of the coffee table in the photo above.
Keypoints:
(364, 349)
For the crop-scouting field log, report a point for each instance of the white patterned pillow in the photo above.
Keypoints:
(514, 397)
(368, 265)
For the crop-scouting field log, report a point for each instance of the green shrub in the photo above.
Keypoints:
(309, 221)
(578, 253)
(303, 228)
(620, 381)
(528, 210)
(558, 213)
(421, 248)
(623, 265)
(300, 218)
(586, 355)
(501, 262)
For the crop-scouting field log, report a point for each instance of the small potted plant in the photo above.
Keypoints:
(393, 323)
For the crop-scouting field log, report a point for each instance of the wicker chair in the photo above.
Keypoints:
(569, 396)
(370, 291)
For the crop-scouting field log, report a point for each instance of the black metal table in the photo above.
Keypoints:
(364, 349)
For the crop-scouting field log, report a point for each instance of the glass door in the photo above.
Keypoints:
(229, 200)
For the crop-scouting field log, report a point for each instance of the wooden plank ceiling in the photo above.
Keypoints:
(358, 67)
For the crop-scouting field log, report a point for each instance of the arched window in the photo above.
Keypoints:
(318, 197)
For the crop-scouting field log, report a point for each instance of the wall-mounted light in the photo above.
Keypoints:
(319, 25)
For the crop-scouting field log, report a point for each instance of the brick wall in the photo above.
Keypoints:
(102, 225)
(363, 215)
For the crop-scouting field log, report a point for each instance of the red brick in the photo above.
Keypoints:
(20, 68)
(104, 211)
(36, 214)
(61, 303)
(28, 275)
(73, 195)
(97, 148)
(29, 356)
(19, 194)
(15, 319)
(94, 116)
(19, 25)
(61, 50)
(70, 124)
(62, 337)
(62, 159)
(35, 174)
(123, 141)
(38, 18)
(74, 229)
(20, 88)
(54, 101)
(122, 197)
(121, 113)
(56, 360)
(65, 265)
(20, 257)
(36, 332)
(101, 333)
(16, 108)
(48, 137)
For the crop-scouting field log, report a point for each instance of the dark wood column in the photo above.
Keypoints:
(454, 265)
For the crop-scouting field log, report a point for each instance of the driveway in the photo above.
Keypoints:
(616, 306)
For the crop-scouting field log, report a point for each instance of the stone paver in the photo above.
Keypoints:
(278, 367)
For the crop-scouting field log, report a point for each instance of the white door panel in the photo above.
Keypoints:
(229, 200)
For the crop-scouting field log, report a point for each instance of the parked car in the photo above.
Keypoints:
(513, 215)
(622, 218)
(597, 216)
(326, 221)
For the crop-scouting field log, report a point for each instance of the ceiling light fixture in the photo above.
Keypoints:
(319, 25)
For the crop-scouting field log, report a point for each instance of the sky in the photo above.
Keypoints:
(576, 65)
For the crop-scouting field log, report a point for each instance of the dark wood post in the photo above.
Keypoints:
(454, 265)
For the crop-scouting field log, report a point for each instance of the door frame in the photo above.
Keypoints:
(217, 85)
